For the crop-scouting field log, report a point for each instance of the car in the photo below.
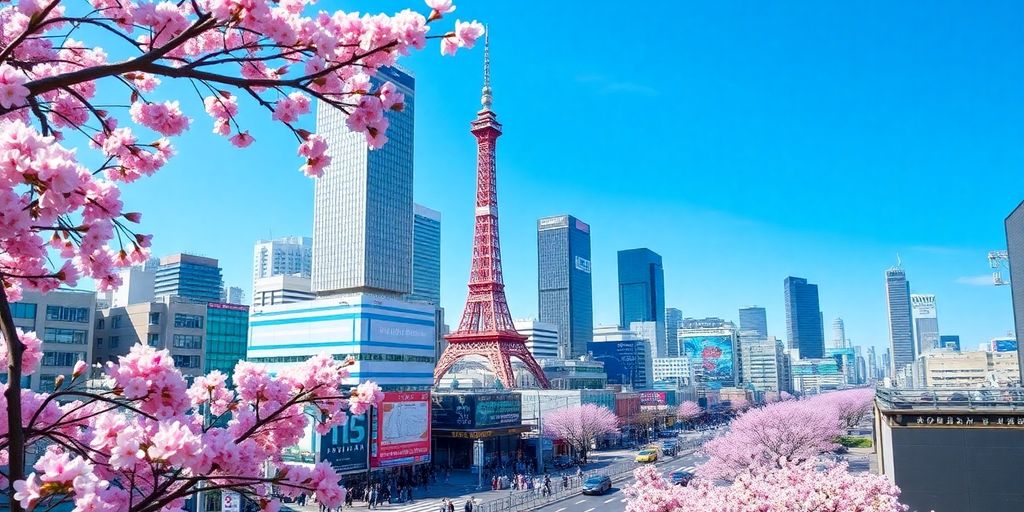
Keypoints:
(670, 448)
(647, 455)
(841, 450)
(680, 477)
(597, 484)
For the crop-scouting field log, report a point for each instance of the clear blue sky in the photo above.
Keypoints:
(742, 141)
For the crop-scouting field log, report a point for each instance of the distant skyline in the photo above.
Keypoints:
(765, 141)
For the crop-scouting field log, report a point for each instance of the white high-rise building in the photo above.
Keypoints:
(762, 364)
(926, 322)
(287, 256)
(231, 295)
(672, 369)
(136, 284)
(838, 333)
(363, 207)
(268, 291)
(541, 338)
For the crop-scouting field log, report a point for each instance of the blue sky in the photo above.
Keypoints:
(742, 141)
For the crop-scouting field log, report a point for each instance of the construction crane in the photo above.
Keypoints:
(998, 261)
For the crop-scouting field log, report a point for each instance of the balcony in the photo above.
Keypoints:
(950, 400)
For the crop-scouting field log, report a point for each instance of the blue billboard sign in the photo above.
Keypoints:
(347, 447)
(1004, 345)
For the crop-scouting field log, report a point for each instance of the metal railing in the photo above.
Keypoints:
(989, 399)
(530, 499)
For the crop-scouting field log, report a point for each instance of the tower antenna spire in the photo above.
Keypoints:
(485, 98)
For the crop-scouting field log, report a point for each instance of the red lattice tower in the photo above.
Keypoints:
(486, 328)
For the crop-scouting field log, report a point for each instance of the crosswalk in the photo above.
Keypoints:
(422, 505)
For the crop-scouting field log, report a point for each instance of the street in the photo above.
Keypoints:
(615, 499)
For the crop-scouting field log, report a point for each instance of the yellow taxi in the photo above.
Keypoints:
(647, 455)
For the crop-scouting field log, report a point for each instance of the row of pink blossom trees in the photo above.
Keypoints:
(149, 441)
(770, 458)
(580, 426)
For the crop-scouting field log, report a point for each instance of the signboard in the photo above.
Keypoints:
(464, 411)
(582, 226)
(347, 447)
(553, 222)
(582, 264)
(957, 420)
(653, 398)
(1004, 345)
(711, 357)
(402, 430)
(478, 453)
(232, 307)
(498, 410)
(230, 501)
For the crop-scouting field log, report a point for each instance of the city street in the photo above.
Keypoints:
(615, 499)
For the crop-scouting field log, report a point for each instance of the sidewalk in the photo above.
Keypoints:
(463, 484)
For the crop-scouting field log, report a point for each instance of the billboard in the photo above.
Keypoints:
(1004, 345)
(653, 398)
(624, 361)
(402, 429)
(464, 411)
(711, 357)
(347, 447)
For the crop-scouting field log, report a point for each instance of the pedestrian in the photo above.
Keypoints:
(451, 506)
(469, 505)
(444, 505)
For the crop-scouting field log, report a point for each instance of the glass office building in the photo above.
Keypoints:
(642, 293)
(363, 208)
(188, 276)
(901, 331)
(564, 282)
(753, 318)
(426, 256)
(804, 328)
(227, 336)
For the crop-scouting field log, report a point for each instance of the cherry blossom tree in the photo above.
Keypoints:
(688, 410)
(739, 404)
(795, 430)
(785, 488)
(150, 441)
(580, 426)
(852, 405)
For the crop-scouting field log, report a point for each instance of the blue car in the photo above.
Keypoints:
(681, 477)
(597, 484)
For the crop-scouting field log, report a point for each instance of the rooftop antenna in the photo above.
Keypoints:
(486, 99)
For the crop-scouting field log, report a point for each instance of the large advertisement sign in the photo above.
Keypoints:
(653, 398)
(1004, 345)
(712, 359)
(464, 411)
(347, 447)
(402, 430)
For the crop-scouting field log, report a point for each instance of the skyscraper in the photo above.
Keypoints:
(926, 322)
(872, 365)
(838, 333)
(363, 209)
(426, 256)
(188, 276)
(1015, 258)
(642, 291)
(564, 286)
(901, 332)
(753, 318)
(673, 321)
(287, 256)
(803, 318)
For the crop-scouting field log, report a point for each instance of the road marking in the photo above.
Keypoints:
(609, 500)
(591, 509)
(690, 468)
(560, 510)
(623, 500)
(580, 501)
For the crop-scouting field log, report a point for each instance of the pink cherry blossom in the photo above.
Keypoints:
(441, 6)
(13, 92)
(315, 151)
(164, 118)
(364, 396)
(580, 425)
(242, 139)
(466, 33)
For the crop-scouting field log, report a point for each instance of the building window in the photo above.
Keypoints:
(99, 342)
(154, 318)
(47, 383)
(67, 314)
(62, 358)
(154, 339)
(100, 323)
(72, 336)
(115, 321)
(183, 361)
(23, 310)
(188, 321)
(115, 341)
(192, 341)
